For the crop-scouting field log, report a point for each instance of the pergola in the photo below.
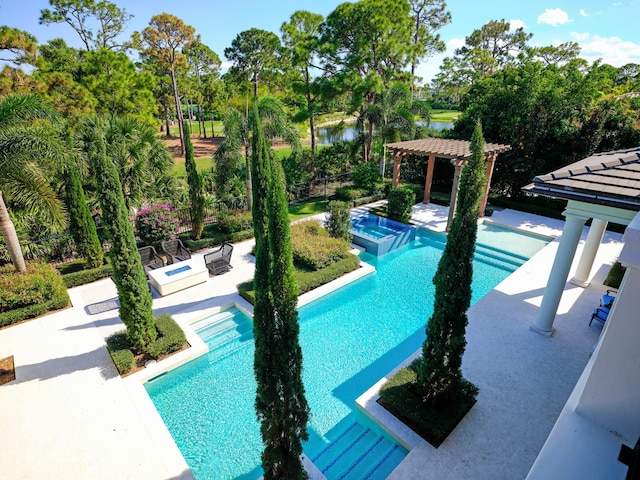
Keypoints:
(604, 187)
(458, 151)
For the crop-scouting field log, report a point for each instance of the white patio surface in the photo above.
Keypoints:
(69, 415)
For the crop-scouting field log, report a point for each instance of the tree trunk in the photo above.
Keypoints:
(180, 119)
(310, 109)
(249, 184)
(11, 238)
(166, 118)
(202, 121)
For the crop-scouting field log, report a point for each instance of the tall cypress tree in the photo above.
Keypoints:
(196, 192)
(81, 224)
(128, 273)
(439, 372)
(281, 405)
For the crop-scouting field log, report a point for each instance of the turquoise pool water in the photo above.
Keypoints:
(350, 339)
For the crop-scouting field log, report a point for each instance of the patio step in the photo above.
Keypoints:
(359, 453)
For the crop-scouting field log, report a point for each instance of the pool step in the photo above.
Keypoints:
(359, 453)
(226, 333)
(499, 258)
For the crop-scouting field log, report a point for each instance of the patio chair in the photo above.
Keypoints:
(219, 261)
(175, 250)
(602, 312)
(150, 258)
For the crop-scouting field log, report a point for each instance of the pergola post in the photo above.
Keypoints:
(458, 164)
(490, 163)
(427, 183)
(594, 238)
(543, 323)
(397, 160)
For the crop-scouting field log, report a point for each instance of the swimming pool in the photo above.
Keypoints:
(380, 235)
(350, 339)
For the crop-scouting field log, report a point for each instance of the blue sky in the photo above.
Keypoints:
(604, 29)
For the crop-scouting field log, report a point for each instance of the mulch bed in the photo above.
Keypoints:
(7, 370)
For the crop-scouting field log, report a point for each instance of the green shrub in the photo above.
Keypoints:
(400, 395)
(119, 348)
(170, 337)
(235, 222)
(86, 276)
(339, 220)
(26, 295)
(366, 176)
(308, 280)
(614, 277)
(347, 194)
(370, 199)
(212, 237)
(399, 204)
(156, 223)
(313, 248)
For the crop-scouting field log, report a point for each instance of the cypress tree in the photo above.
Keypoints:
(82, 227)
(128, 273)
(281, 405)
(196, 192)
(439, 372)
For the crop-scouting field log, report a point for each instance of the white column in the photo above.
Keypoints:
(559, 273)
(596, 232)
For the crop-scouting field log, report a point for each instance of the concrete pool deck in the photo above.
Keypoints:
(69, 415)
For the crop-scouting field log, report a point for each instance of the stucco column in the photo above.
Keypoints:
(596, 232)
(458, 164)
(397, 160)
(559, 273)
(490, 163)
(429, 180)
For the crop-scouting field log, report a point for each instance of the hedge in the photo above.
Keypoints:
(26, 295)
(120, 351)
(212, 237)
(308, 280)
(235, 222)
(170, 337)
(86, 276)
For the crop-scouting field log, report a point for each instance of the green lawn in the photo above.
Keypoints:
(174, 131)
(298, 211)
(444, 115)
(202, 164)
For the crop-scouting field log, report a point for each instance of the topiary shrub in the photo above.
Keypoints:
(26, 295)
(339, 220)
(119, 348)
(614, 277)
(170, 337)
(156, 223)
(399, 204)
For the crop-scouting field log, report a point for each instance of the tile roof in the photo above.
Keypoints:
(443, 147)
(608, 178)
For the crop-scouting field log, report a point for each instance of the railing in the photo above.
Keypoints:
(322, 187)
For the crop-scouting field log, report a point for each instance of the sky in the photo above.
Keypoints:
(603, 29)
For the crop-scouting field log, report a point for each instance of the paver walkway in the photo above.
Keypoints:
(69, 415)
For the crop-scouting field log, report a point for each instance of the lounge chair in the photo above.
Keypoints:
(175, 250)
(150, 258)
(602, 312)
(219, 261)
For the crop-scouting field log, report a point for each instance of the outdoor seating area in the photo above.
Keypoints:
(150, 258)
(219, 261)
(602, 312)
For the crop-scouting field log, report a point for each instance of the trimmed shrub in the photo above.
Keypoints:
(120, 350)
(26, 295)
(308, 280)
(366, 176)
(614, 277)
(235, 222)
(170, 337)
(339, 221)
(156, 223)
(347, 194)
(313, 248)
(399, 204)
(370, 199)
(87, 276)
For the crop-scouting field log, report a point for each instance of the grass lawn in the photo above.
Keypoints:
(202, 164)
(444, 115)
(298, 211)
(219, 127)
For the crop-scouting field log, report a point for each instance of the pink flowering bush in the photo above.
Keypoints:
(156, 223)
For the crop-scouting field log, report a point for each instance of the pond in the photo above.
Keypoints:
(347, 131)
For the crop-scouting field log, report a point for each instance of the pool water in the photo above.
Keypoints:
(349, 339)
(380, 235)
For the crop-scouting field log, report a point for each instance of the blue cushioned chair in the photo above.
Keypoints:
(602, 312)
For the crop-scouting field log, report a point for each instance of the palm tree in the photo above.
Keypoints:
(140, 156)
(29, 148)
(237, 132)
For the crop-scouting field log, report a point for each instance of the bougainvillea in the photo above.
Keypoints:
(156, 223)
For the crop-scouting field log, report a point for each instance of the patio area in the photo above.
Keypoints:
(69, 415)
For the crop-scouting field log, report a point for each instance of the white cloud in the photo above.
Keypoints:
(454, 43)
(580, 36)
(611, 50)
(583, 13)
(516, 24)
(554, 17)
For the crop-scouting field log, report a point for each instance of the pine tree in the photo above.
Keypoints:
(439, 372)
(196, 192)
(281, 405)
(81, 224)
(128, 273)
